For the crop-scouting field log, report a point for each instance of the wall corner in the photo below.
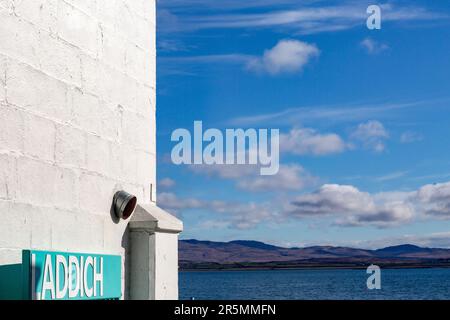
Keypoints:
(153, 254)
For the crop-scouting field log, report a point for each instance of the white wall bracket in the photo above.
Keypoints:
(153, 256)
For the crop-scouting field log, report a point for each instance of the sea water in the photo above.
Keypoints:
(314, 284)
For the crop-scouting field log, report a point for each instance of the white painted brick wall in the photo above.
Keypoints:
(39, 137)
(36, 92)
(77, 121)
(78, 28)
(2, 78)
(70, 146)
(59, 59)
(19, 39)
(41, 13)
(12, 129)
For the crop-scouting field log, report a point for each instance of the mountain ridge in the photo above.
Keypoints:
(194, 253)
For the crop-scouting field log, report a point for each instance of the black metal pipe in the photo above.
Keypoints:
(124, 204)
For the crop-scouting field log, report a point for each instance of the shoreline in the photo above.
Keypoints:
(313, 268)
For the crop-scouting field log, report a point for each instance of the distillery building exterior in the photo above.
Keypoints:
(77, 126)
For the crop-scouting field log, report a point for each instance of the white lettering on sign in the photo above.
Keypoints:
(81, 278)
(98, 277)
(71, 277)
(61, 262)
(88, 291)
(74, 277)
(49, 283)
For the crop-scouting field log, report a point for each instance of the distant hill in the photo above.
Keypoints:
(402, 250)
(195, 254)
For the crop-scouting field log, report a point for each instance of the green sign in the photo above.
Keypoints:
(70, 276)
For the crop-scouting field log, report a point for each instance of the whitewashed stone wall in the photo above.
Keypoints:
(77, 121)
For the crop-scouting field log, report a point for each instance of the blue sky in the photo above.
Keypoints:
(363, 116)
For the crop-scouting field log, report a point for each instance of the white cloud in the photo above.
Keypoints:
(371, 129)
(248, 178)
(391, 176)
(304, 18)
(171, 202)
(410, 137)
(351, 206)
(173, 45)
(222, 5)
(435, 199)
(245, 215)
(289, 177)
(302, 141)
(167, 183)
(371, 134)
(233, 58)
(288, 56)
(372, 46)
(232, 172)
(339, 205)
(214, 224)
(330, 114)
(236, 214)
(332, 198)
